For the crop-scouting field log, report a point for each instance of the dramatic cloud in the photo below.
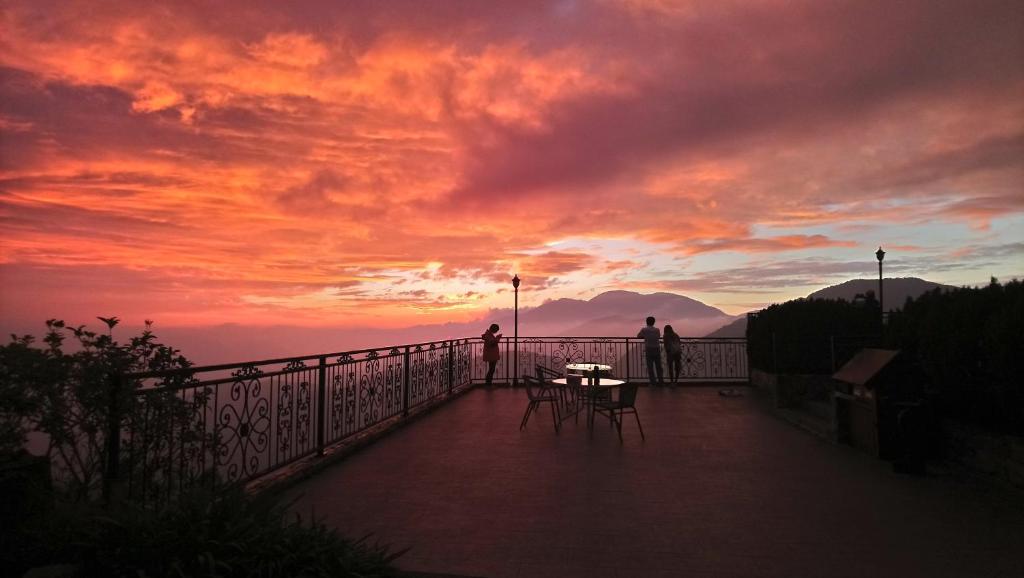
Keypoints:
(334, 163)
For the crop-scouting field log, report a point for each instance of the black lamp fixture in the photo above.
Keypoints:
(515, 356)
(880, 254)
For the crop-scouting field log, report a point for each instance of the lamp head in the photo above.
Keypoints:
(515, 282)
(880, 254)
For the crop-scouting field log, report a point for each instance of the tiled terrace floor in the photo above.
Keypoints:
(720, 488)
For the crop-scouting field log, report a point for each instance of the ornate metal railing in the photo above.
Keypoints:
(703, 359)
(237, 422)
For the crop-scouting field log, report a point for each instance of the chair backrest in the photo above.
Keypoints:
(534, 387)
(627, 394)
(545, 374)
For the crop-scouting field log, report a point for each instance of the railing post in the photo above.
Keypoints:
(627, 359)
(508, 380)
(746, 354)
(451, 366)
(405, 384)
(321, 396)
(112, 469)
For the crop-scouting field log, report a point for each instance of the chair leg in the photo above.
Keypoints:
(618, 425)
(554, 418)
(526, 416)
(637, 416)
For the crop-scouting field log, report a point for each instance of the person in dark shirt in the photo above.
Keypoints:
(492, 353)
(652, 351)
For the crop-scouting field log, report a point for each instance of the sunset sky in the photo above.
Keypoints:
(393, 163)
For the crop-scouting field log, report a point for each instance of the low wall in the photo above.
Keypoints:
(991, 454)
(967, 447)
(792, 391)
(803, 400)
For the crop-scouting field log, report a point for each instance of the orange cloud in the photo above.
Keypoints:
(336, 161)
(770, 244)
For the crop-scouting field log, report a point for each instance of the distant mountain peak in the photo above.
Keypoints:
(614, 294)
(896, 290)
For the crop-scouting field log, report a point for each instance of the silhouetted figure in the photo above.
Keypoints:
(673, 353)
(492, 353)
(652, 351)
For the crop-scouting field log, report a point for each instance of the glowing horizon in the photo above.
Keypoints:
(395, 163)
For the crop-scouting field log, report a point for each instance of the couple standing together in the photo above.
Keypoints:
(652, 350)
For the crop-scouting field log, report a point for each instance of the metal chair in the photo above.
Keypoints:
(567, 395)
(544, 374)
(625, 404)
(539, 394)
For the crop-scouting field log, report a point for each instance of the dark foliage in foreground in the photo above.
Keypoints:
(225, 535)
(808, 336)
(68, 395)
(966, 345)
(969, 344)
(65, 393)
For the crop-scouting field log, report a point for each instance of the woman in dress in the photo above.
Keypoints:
(492, 353)
(673, 353)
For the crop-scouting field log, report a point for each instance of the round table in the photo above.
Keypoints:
(589, 394)
(583, 367)
(603, 382)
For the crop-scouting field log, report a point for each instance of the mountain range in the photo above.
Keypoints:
(619, 313)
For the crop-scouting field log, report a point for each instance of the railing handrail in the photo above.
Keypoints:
(277, 360)
(317, 356)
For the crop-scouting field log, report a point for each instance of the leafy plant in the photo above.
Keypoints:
(223, 534)
(69, 395)
(19, 364)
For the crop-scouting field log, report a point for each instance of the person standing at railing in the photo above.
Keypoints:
(673, 353)
(492, 353)
(652, 351)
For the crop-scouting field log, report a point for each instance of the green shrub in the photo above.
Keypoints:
(67, 395)
(968, 344)
(808, 336)
(224, 534)
(19, 364)
(964, 346)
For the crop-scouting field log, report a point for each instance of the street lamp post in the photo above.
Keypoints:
(515, 355)
(880, 254)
